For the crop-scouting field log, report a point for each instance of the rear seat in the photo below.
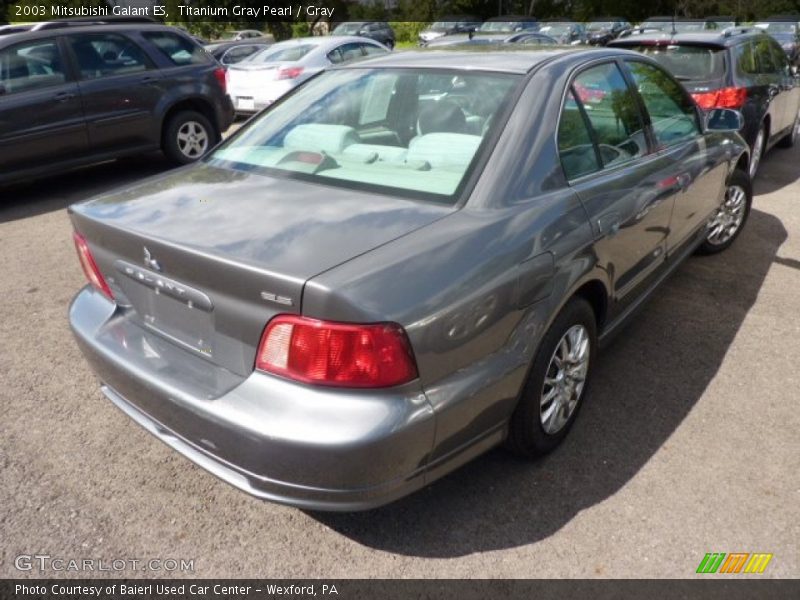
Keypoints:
(443, 150)
(437, 150)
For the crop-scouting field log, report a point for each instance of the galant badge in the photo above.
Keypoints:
(151, 262)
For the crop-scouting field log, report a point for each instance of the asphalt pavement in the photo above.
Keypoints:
(689, 443)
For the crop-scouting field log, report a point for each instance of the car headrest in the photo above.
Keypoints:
(443, 116)
(321, 137)
(442, 150)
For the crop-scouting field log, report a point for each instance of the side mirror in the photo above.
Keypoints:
(724, 119)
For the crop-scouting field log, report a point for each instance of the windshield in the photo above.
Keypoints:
(597, 25)
(443, 25)
(280, 53)
(687, 63)
(778, 27)
(347, 28)
(410, 132)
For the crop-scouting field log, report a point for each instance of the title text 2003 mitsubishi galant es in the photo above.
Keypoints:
(400, 265)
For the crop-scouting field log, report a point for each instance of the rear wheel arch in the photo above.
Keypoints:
(742, 163)
(595, 293)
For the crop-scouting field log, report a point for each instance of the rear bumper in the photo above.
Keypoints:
(314, 448)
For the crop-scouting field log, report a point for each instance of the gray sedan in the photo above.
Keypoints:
(405, 262)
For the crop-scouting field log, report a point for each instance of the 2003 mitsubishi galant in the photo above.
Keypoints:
(401, 264)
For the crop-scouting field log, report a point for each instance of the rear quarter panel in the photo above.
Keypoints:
(476, 290)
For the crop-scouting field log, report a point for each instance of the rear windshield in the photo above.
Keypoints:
(281, 53)
(409, 132)
(687, 63)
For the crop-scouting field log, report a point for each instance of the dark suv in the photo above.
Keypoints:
(75, 93)
(737, 68)
(379, 31)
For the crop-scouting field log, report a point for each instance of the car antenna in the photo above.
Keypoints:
(674, 14)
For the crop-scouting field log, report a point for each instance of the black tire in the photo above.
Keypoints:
(181, 151)
(527, 435)
(741, 180)
(789, 140)
(390, 44)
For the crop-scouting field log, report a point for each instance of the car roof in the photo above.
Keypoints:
(725, 38)
(510, 58)
(87, 28)
(325, 41)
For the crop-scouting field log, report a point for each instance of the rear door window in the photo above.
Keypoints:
(575, 147)
(673, 116)
(613, 112)
(31, 65)
(106, 55)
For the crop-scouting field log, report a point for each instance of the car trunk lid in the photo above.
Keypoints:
(206, 256)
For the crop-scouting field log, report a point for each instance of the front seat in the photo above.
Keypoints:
(443, 116)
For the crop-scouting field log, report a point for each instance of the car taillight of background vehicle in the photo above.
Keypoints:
(289, 72)
(221, 74)
(93, 274)
(729, 97)
(353, 355)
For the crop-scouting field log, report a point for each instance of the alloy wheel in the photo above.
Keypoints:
(728, 219)
(192, 139)
(565, 379)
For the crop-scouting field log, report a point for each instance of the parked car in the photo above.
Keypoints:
(230, 53)
(262, 78)
(602, 31)
(379, 31)
(786, 31)
(740, 68)
(508, 24)
(520, 37)
(73, 94)
(242, 34)
(685, 24)
(565, 32)
(448, 26)
(407, 262)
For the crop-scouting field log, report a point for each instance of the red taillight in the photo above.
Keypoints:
(289, 72)
(729, 97)
(222, 78)
(90, 269)
(336, 354)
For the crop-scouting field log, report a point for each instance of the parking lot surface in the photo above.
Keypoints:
(688, 444)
